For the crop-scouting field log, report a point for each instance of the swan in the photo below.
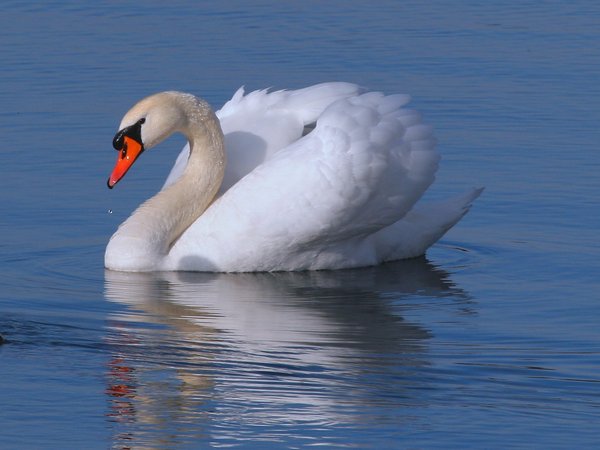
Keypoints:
(325, 177)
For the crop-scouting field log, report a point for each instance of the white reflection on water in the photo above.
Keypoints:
(216, 356)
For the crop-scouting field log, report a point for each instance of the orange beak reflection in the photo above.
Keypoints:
(127, 156)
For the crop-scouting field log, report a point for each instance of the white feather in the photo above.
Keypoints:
(340, 196)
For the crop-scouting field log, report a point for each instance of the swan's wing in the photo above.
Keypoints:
(305, 104)
(363, 167)
(260, 123)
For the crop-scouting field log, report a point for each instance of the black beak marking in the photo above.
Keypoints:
(133, 131)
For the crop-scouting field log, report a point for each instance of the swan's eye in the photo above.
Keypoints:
(134, 131)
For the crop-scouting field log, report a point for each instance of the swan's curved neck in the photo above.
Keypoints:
(144, 239)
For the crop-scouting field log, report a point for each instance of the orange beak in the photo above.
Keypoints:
(127, 156)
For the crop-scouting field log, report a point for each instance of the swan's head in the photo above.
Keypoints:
(148, 123)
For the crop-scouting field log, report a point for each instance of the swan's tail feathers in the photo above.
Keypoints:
(445, 214)
(422, 227)
(307, 103)
(461, 203)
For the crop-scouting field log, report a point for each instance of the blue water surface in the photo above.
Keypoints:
(490, 341)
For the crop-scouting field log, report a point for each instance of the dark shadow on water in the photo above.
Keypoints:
(191, 349)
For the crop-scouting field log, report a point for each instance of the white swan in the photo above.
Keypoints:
(253, 192)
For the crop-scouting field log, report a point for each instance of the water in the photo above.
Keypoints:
(492, 340)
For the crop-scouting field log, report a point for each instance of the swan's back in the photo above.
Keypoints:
(319, 201)
(258, 124)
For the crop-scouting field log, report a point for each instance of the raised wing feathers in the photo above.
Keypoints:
(363, 167)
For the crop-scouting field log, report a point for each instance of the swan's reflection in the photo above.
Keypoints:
(269, 348)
